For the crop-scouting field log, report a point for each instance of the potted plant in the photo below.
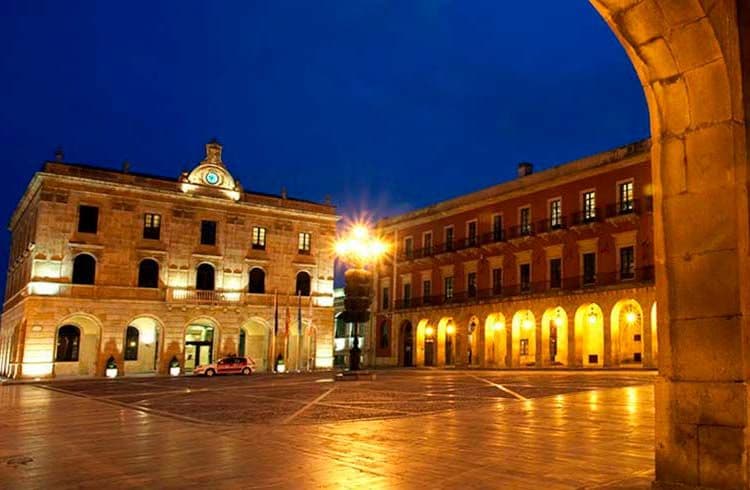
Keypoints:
(111, 371)
(174, 367)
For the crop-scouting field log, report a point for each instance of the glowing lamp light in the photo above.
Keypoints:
(497, 326)
(630, 317)
(359, 247)
(558, 321)
(527, 323)
(429, 331)
(451, 329)
(593, 318)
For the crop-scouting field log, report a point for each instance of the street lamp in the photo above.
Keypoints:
(360, 249)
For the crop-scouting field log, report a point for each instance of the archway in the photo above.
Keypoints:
(302, 284)
(523, 336)
(555, 337)
(474, 355)
(254, 342)
(77, 346)
(406, 350)
(426, 344)
(589, 335)
(84, 269)
(627, 333)
(495, 340)
(692, 60)
(205, 277)
(142, 345)
(446, 345)
(256, 283)
(201, 341)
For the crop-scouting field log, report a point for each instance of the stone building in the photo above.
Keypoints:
(551, 269)
(146, 269)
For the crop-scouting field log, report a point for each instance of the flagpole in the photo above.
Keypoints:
(275, 329)
(310, 354)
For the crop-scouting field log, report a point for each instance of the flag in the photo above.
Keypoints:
(299, 314)
(287, 323)
(276, 312)
(310, 314)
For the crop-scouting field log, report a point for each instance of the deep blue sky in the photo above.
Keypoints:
(385, 105)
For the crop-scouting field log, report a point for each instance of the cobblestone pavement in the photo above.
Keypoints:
(406, 429)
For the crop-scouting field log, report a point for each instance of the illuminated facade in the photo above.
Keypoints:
(551, 269)
(146, 269)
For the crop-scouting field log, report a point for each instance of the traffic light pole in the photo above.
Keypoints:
(357, 298)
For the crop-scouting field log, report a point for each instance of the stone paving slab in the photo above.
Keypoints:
(589, 439)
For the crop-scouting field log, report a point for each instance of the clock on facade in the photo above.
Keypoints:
(212, 178)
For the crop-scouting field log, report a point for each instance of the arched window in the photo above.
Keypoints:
(68, 341)
(257, 283)
(385, 340)
(148, 274)
(204, 278)
(303, 284)
(131, 344)
(84, 269)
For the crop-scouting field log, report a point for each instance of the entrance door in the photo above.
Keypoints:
(429, 352)
(408, 346)
(552, 343)
(449, 350)
(196, 354)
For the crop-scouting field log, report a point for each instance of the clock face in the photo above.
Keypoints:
(212, 178)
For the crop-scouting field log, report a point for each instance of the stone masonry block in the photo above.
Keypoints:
(704, 286)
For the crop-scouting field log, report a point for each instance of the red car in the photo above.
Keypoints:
(227, 365)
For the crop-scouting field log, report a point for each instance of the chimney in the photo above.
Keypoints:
(59, 155)
(525, 168)
(126, 167)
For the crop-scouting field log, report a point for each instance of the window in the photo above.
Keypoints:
(525, 221)
(151, 226)
(449, 238)
(204, 278)
(524, 347)
(88, 219)
(555, 273)
(208, 232)
(302, 287)
(257, 281)
(426, 289)
(385, 340)
(68, 341)
(303, 244)
(555, 214)
(340, 326)
(448, 287)
(627, 263)
(131, 344)
(524, 273)
(497, 228)
(148, 274)
(497, 281)
(84, 269)
(625, 197)
(386, 298)
(589, 206)
(471, 284)
(407, 294)
(259, 238)
(409, 247)
(589, 268)
(471, 234)
(427, 243)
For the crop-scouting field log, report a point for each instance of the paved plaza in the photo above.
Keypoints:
(406, 429)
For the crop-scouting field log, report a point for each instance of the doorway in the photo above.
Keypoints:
(408, 345)
(199, 342)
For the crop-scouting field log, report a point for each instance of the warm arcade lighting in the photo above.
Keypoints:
(451, 329)
(429, 331)
(497, 326)
(558, 321)
(593, 318)
(630, 317)
(359, 247)
(527, 323)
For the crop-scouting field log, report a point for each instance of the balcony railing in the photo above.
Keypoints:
(642, 275)
(633, 208)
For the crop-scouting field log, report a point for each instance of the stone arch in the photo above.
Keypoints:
(150, 344)
(446, 345)
(90, 353)
(523, 336)
(406, 350)
(201, 341)
(589, 335)
(689, 58)
(205, 276)
(495, 340)
(627, 327)
(425, 333)
(474, 339)
(555, 337)
(255, 341)
(84, 269)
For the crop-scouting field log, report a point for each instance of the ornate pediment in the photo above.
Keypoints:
(211, 176)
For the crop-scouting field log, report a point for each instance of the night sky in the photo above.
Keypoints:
(384, 105)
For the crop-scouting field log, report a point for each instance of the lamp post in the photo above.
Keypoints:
(358, 248)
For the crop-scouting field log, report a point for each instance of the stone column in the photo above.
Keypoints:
(646, 339)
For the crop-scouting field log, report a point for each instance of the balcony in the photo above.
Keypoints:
(551, 225)
(581, 218)
(632, 208)
(521, 231)
(577, 283)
